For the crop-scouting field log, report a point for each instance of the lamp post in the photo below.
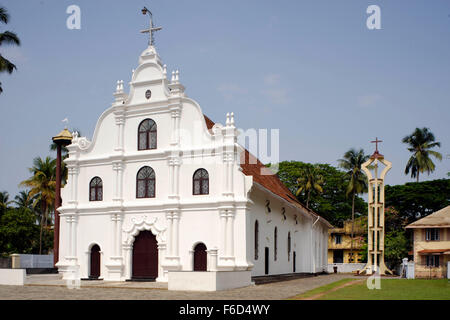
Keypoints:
(64, 138)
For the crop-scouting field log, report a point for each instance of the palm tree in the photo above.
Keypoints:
(6, 37)
(4, 202)
(420, 142)
(309, 180)
(357, 183)
(24, 200)
(42, 187)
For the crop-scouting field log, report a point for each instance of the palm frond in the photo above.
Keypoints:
(8, 37)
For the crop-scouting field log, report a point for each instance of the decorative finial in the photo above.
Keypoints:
(165, 69)
(119, 88)
(152, 27)
(232, 119)
(173, 77)
(177, 76)
(228, 120)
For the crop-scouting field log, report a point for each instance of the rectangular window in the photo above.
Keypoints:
(338, 239)
(432, 234)
(433, 261)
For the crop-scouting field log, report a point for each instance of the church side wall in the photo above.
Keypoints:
(300, 237)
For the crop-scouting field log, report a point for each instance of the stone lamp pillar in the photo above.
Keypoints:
(64, 138)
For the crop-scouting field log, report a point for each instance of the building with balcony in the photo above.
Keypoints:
(340, 239)
(431, 248)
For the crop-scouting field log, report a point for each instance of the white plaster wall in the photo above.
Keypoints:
(300, 234)
(208, 281)
(94, 228)
(12, 277)
(196, 227)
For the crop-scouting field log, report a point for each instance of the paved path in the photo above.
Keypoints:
(138, 291)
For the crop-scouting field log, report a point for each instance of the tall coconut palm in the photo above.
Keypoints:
(309, 180)
(42, 187)
(4, 202)
(357, 183)
(420, 142)
(6, 38)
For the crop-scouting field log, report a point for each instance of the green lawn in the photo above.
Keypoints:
(322, 289)
(394, 289)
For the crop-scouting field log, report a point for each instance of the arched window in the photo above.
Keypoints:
(256, 240)
(275, 246)
(96, 189)
(200, 182)
(147, 135)
(145, 183)
(289, 246)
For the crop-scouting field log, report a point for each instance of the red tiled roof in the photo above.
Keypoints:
(251, 166)
(434, 251)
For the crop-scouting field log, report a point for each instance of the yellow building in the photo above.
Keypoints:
(339, 242)
(432, 244)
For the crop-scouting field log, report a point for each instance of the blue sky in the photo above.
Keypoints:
(309, 68)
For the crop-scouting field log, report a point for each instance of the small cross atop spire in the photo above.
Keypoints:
(152, 27)
(376, 154)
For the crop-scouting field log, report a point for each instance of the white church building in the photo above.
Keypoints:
(162, 189)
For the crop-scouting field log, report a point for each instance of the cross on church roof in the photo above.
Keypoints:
(152, 27)
(376, 154)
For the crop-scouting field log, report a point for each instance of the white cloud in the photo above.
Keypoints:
(277, 95)
(272, 79)
(231, 90)
(369, 100)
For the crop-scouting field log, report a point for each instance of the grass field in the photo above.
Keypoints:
(391, 289)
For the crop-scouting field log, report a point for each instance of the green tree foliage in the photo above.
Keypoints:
(332, 204)
(416, 200)
(420, 143)
(396, 247)
(6, 38)
(357, 181)
(42, 187)
(4, 202)
(19, 232)
(310, 180)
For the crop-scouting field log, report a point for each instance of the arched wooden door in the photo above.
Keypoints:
(95, 262)
(200, 257)
(145, 256)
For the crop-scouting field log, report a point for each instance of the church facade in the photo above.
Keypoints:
(161, 188)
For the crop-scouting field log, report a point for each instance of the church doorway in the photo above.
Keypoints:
(145, 256)
(95, 262)
(266, 260)
(200, 257)
(293, 261)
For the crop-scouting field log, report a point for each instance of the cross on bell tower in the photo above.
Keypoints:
(376, 154)
(152, 27)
